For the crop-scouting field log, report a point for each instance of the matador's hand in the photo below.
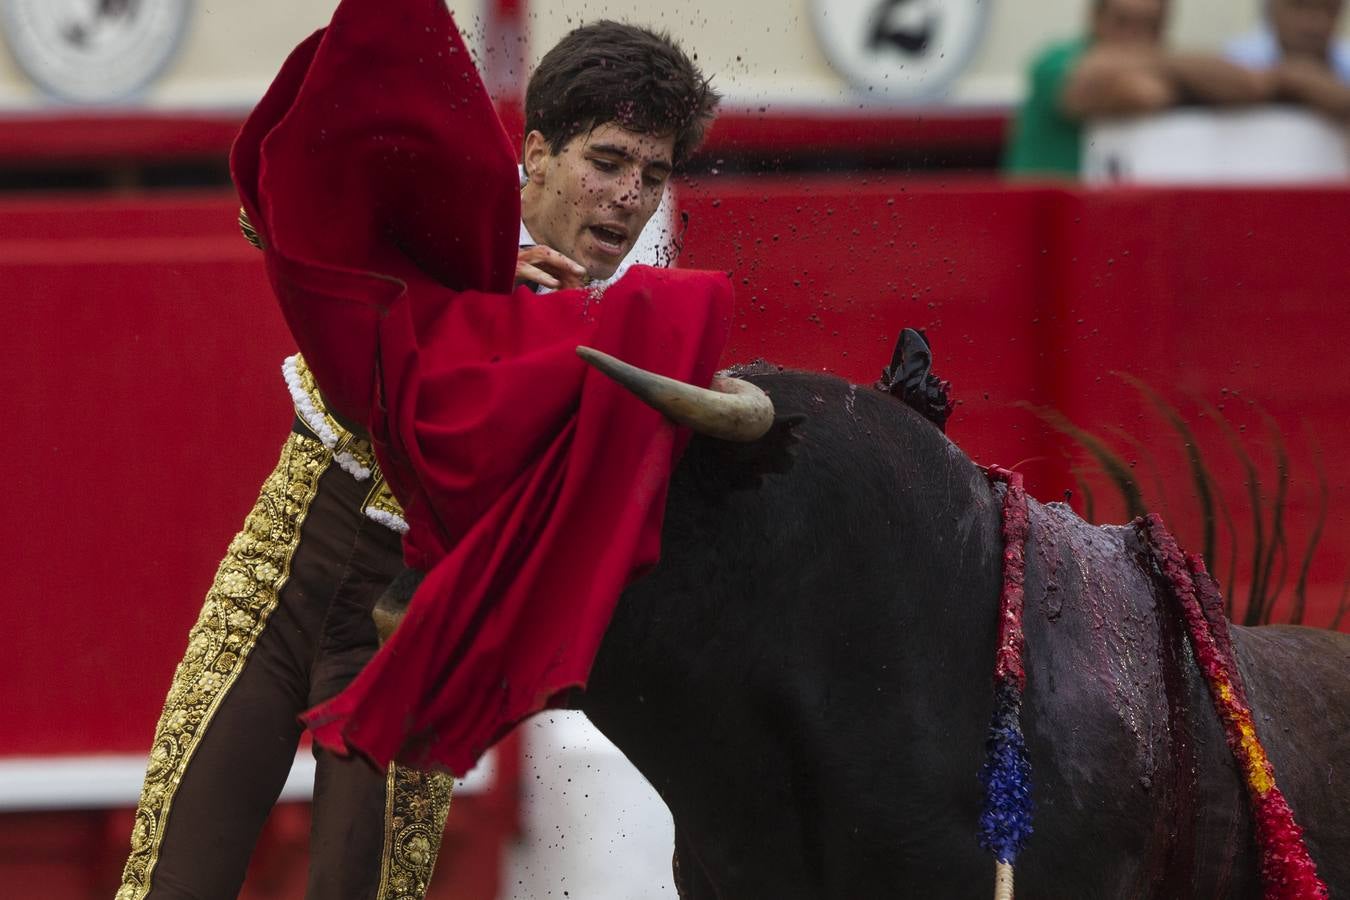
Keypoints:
(548, 268)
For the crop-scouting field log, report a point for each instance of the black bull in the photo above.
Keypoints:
(806, 680)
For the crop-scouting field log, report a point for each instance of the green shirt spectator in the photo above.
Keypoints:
(1045, 140)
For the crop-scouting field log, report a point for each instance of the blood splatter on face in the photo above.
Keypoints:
(591, 200)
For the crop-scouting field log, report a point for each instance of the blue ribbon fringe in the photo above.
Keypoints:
(1005, 822)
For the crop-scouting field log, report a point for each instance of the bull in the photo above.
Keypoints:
(806, 677)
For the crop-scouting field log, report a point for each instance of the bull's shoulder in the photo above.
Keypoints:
(1297, 678)
(1272, 644)
(1293, 651)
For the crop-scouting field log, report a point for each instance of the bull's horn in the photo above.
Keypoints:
(733, 410)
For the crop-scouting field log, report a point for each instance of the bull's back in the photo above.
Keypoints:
(1298, 684)
(1108, 691)
(1127, 750)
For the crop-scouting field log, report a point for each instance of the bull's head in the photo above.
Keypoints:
(732, 409)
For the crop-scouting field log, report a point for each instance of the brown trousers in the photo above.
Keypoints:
(285, 625)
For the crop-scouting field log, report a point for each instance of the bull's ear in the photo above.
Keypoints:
(772, 454)
(784, 428)
(727, 466)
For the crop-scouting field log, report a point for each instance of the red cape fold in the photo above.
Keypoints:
(385, 192)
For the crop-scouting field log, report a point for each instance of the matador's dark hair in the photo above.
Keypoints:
(611, 72)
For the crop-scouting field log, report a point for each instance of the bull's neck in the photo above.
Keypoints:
(794, 639)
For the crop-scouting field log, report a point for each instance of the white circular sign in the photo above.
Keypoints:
(93, 51)
(900, 49)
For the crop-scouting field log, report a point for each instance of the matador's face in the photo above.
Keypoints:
(591, 200)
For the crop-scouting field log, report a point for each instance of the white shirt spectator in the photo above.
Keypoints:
(1260, 50)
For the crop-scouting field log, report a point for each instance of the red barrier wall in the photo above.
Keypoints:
(1039, 295)
(143, 355)
(143, 358)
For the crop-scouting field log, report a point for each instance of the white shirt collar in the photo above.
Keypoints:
(527, 241)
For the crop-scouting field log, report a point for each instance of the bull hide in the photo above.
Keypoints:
(806, 680)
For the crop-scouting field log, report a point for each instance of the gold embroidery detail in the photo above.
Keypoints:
(416, 804)
(246, 227)
(347, 447)
(237, 607)
(358, 447)
(381, 498)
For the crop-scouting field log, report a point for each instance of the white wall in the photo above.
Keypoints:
(766, 49)
(593, 827)
(231, 51)
(760, 50)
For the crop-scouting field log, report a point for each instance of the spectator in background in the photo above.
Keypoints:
(1297, 46)
(1120, 68)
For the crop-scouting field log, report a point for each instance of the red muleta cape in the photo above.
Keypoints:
(385, 191)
